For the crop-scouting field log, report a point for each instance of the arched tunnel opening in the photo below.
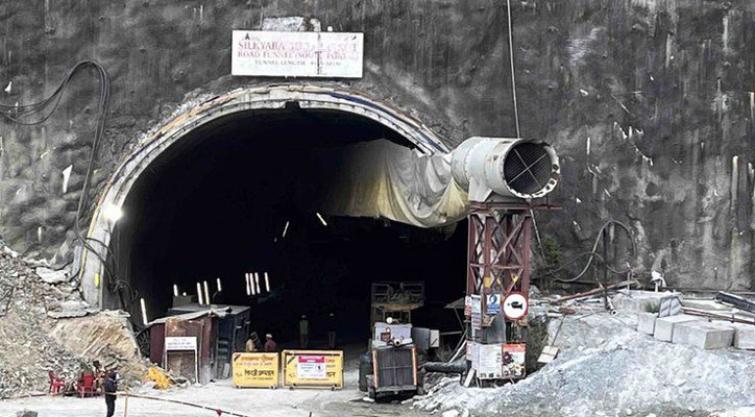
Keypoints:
(242, 194)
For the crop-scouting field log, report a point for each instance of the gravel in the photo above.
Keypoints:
(606, 368)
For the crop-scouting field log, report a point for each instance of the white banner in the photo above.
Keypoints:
(311, 367)
(180, 343)
(297, 54)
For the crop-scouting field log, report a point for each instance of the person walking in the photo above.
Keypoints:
(331, 331)
(110, 387)
(270, 345)
(303, 332)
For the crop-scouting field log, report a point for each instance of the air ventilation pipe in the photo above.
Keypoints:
(500, 169)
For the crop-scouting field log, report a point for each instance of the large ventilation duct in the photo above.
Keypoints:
(387, 180)
(504, 169)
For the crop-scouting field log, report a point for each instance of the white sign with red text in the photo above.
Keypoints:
(297, 54)
(310, 366)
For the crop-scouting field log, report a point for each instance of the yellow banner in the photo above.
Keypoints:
(255, 370)
(313, 368)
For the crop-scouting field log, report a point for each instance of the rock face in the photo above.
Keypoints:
(650, 105)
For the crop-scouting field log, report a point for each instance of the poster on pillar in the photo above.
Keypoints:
(493, 304)
(490, 361)
(297, 54)
(471, 351)
(476, 314)
(513, 365)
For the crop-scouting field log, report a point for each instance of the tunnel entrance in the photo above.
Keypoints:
(242, 194)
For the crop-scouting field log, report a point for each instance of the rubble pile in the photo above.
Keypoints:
(27, 352)
(33, 341)
(605, 367)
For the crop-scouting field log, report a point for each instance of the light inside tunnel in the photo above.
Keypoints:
(242, 195)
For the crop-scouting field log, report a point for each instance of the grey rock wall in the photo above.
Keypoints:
(650, 104)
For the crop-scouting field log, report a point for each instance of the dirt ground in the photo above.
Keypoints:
(222, 394)
(271, 403)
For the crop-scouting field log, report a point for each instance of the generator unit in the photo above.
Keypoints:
(390, 368)
(394, 371)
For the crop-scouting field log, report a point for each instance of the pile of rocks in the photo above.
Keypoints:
(27, 352)
(33, 310)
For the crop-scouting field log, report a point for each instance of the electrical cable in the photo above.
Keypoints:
(579, 256)
(21, 114)
(513, 77)
(593, 253)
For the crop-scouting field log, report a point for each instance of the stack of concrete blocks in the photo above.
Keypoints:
(697, 331)
(664, 326)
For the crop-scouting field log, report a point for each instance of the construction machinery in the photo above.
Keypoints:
(390, 367)
(396, 300)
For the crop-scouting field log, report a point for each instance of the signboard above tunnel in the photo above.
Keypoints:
(297, 54)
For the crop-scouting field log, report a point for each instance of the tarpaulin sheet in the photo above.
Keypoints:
(383, 179)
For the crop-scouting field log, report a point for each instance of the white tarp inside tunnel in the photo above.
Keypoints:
(386, 180)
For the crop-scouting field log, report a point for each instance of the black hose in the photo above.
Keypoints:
(21, 114)
(593, 253)
(458, 367)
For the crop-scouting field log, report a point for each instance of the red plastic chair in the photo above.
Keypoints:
(56, 384)
(85, 386)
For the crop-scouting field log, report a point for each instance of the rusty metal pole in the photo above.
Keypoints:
(605, 269)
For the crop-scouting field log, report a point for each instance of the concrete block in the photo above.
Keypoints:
(744, 336)
(703, 334)
(664, 326)
(646, 322)
(638, 301)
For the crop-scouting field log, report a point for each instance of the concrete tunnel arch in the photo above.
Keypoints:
(195, 115)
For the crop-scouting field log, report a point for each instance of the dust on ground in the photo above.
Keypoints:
(222, 394)
(606, 368)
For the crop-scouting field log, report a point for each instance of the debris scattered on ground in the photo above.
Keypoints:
(33, 343)
(51, 276)
(158, 378)
(606, 367)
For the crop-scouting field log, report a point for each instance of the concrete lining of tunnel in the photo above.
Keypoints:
(270, 97)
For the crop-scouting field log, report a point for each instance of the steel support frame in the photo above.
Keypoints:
(498, 250)
(498, 262)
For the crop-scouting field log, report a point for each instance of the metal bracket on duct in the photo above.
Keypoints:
(382, 179)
